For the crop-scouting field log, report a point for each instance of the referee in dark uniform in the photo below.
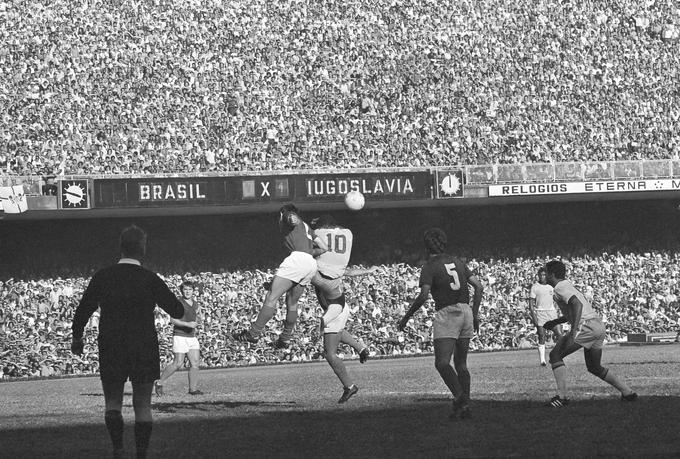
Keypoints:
(127, 294)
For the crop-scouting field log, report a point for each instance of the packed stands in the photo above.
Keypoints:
(626, 288)
(183, 86)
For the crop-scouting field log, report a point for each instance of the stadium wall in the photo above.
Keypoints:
(248, 192)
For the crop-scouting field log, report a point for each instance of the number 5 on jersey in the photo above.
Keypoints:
(453, 274)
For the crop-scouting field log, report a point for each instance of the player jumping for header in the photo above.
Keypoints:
(332, 266)
(587, 332)
(294, 273)
(447, 278)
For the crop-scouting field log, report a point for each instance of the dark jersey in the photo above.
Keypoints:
(189, 316)
(127, 295)
(447, 276)
(297, 236)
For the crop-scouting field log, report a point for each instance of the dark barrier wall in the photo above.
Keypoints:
(32, 249)
(206, 191)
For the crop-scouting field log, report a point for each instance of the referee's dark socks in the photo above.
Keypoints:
(114, 424)
(142, 437)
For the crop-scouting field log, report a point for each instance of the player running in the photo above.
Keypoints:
(294, 273)
(184, 342)
(447, 278)
(587, 332)
(332, 266)
(542, 310)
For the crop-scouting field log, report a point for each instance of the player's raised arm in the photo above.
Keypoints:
(356, 272)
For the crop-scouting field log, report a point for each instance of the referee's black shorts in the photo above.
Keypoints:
(118, 365)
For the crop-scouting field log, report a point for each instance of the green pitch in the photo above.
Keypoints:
(400, 411)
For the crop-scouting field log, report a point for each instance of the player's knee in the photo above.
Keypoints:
(597, 370)
(441, 364)
(461, 367)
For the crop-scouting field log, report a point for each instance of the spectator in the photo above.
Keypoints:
(417, 84)
(49, 188)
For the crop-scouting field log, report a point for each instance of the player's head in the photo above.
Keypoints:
(435, 240)
(324, 221)
(133, 242)
(289, 207)
(541, 275)
(187, 288)
(555, 271)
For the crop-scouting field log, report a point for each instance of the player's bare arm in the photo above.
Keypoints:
(356, 272)
(532, 311)
(476, 299)
(576, 309)
(320, 247)
(181, 323)
(415, 305)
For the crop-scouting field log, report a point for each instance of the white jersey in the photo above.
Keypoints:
(564, 290)
(334, 261)
(543, 294)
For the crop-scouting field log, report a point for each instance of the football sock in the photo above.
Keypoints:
(142, 437)
(193, 377)
(350, 340)
(340, 370)
(616, 382)
(265, 315)
(541, 352)
(464, 378)
(114, 424)
(289, 325)
(561, 380)
(451, 380)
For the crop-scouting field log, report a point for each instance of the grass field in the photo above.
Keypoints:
(401, 411)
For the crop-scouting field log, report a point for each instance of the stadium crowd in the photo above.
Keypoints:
(633, 291)
(92, 87)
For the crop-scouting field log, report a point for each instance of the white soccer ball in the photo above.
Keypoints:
(355, 200)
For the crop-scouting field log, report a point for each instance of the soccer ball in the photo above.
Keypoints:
(355, 200)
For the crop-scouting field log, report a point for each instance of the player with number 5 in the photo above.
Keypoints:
(447, 278)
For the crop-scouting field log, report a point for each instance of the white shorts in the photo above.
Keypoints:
(454, 321)
(544, 315)
(183, 344)
(330, 288)
(298, 267)
(335, 319)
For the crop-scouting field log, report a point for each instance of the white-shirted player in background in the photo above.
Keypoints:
(542, 310)
(332, 266)
(587, 332)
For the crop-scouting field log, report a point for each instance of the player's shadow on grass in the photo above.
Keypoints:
(375, 427)
(207, 406)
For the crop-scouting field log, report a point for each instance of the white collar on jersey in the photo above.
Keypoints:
(129, 261)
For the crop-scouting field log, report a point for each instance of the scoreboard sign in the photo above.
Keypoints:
(449, 183)
(382, 186)
(74, 194)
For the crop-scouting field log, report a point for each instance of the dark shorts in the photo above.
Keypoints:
(116, 366)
